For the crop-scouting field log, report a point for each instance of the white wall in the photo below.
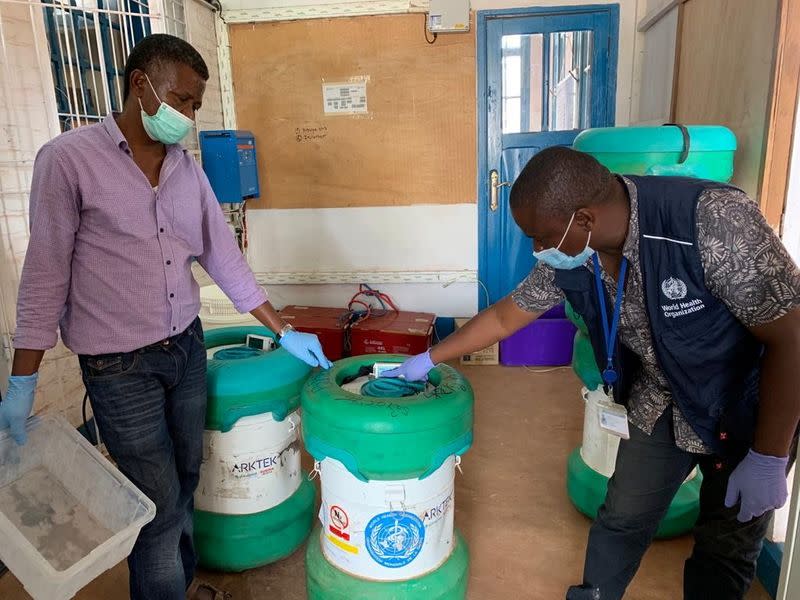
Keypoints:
(390, 240)
(410, 252)
(247, 11)
(410, 242)
(319, 257)
(652, 97)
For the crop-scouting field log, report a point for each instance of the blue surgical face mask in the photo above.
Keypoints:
(168, 126)
(558, 260)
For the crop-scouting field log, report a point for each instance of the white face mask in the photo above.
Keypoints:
(558, 259)
(168, 126)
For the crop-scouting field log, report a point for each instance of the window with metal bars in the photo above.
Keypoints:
(89, 42)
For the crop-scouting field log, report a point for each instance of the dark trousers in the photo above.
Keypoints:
(649, 471)
(150, 409)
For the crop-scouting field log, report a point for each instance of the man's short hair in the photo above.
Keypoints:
(160, 48)
(558, 181)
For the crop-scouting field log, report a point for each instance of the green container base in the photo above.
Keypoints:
(235, 543)
(326, 582)
(587, 491)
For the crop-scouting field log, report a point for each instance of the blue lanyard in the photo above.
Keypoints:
(610, 330)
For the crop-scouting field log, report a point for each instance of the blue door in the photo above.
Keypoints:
(543, 76)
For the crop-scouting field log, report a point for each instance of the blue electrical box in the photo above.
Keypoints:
(229, 160)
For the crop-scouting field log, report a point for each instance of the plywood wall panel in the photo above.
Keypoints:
(417, 144)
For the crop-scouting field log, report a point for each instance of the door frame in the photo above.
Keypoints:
(789, 581)
(789, 578)
(482, 183)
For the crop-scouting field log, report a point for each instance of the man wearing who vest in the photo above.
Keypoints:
(692, 304)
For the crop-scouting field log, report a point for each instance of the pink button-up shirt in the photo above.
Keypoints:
(109, 259)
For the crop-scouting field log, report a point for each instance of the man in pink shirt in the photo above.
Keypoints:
(119, 211)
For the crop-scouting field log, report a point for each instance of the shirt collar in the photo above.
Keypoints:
(110, 123)
(630, 249)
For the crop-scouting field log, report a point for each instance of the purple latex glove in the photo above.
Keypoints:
(415, 368)
(759, 484)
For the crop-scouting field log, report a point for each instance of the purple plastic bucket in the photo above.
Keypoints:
(547, 342)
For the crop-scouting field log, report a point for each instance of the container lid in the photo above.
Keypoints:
(269, 382)
(387, 438)
(666, 138)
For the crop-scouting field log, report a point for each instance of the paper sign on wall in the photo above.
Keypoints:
(345, 98)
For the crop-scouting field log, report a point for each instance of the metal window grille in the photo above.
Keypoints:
(89, 41)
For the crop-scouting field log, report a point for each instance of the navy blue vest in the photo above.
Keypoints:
(711, 361)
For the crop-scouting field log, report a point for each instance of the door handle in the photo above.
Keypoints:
(494, 185)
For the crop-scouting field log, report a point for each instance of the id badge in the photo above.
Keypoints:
(614, 419)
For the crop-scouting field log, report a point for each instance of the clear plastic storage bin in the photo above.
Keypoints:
(216, 310)
(66, 513)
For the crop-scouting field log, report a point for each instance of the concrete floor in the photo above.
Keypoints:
(526, 540)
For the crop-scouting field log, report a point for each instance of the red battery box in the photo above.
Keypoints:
(393, 333)
(327, 323)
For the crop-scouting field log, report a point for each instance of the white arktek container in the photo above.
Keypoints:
(387, 530)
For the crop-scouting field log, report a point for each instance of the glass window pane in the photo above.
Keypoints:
(570, 72)
(512, 76)
(536, 83)
(523, 84)
(511, 115)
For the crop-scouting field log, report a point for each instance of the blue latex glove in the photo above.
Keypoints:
(759, 483)
(17, 405)
(306, 347)
(415, 368)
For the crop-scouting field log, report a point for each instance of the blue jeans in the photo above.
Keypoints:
(649, 471)
(150, 409)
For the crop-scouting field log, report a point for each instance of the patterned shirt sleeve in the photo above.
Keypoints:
(538, 291)
(746, 265)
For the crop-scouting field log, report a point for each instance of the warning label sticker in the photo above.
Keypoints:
(339, 522)
(339, 517)
(342, 545)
